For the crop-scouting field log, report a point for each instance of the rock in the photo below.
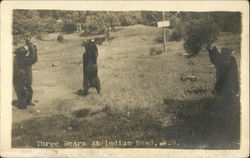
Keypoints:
(191, 63)
(184, 54)
(191, 78)
(211, 66)
(128, 113)
(38, 111)
(51, 110)
(155, 51)
(69, 128)
(60, 38)
(198, 90)
(55, 64)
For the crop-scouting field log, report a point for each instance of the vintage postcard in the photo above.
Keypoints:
(125, 79)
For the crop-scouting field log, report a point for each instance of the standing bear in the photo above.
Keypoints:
(227, 80)
(90, 67)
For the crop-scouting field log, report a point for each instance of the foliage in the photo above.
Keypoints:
(155, 51)
(94, 25)
(69, 28)
(37, 23)
(175, 36)
(151, 18)
(199, 33)
(228, 21)
(177, 28)
(28, 24)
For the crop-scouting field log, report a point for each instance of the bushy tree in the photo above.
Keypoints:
(228, 21)
(178, 29)
(129, 18)
(199, 33)
(151, 17)
(100, 22)
(93, 25)
(28, 24)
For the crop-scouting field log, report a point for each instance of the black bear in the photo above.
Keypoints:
(90, 67)
(227, 80)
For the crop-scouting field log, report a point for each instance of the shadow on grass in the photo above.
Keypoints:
(15, 103)
(207, 123)
(192, 124)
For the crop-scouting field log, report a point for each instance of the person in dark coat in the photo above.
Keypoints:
(227, 81)
(90, 68)
(22, 77)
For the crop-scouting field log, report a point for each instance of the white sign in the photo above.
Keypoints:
(163, 23)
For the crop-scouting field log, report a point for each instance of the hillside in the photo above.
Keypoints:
(143, 96)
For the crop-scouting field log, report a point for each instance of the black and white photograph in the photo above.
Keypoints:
(126, 79)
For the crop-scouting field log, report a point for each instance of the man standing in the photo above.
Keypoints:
(22, 77)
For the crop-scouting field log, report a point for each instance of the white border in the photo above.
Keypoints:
(6, 77)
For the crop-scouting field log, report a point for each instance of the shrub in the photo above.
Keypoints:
(69, 28)
(199, 33)
(155, 51)
(159, 38)
(60, 38)
(177, 26)
(175, 36)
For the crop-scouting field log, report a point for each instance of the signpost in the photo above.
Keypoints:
(164, 24)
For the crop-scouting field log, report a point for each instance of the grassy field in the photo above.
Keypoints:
(143, 97)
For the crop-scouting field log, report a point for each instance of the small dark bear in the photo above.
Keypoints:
(227, 80)
(90, 67)
(22, 77)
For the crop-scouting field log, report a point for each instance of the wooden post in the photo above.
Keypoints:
(164, 33)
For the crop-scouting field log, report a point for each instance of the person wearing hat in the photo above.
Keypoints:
(90, 68)
(22, 75)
